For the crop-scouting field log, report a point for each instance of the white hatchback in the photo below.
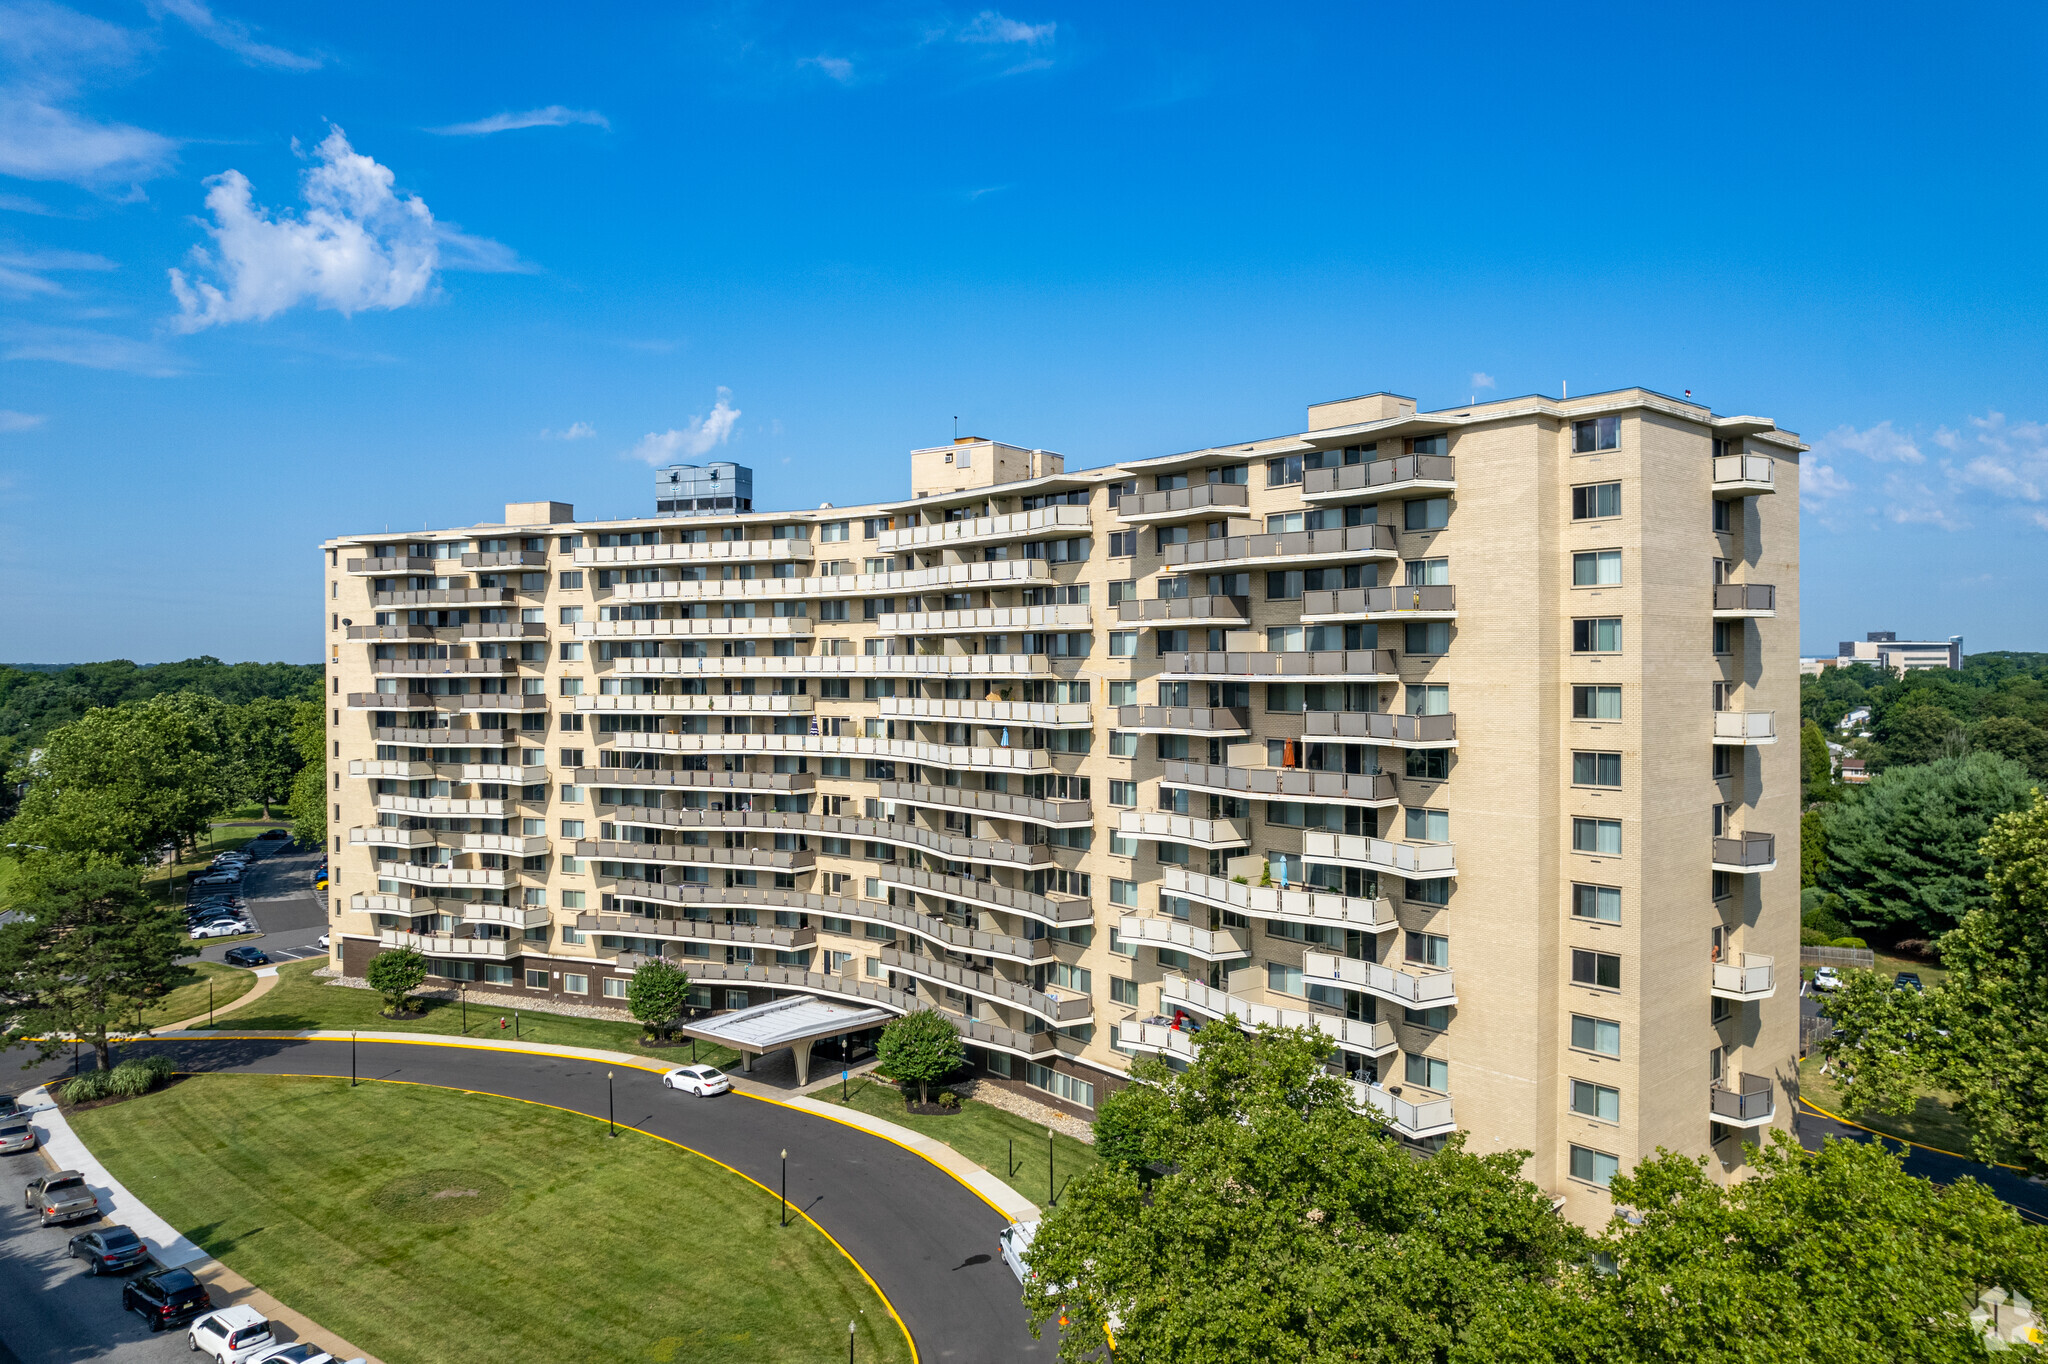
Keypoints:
(697, 1080)
(233, 1335)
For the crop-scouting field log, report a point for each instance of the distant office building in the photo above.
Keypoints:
(719, 489)
(1885, 649)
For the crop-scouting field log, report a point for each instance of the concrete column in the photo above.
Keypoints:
(803, 1062)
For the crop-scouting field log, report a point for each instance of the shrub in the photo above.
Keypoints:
(1815, 937)
(919, 1048)
(395, 974)
(138, 1075)
(948, 1099)
(87, 1087)
(1850, 942)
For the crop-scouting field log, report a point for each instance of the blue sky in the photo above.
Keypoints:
(272, 274)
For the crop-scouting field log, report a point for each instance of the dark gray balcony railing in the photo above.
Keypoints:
(780, 859)
(996, 804)
(1748, 850)
(1067, 1008)
(649, 776)
(696, 930)
(1232, 610)
(444, 665)
(956, 847)
(505, 558)
(1385, 728)
(1308, 666)
(1378, 473)
(1202, 497)
(1360, 601)
(442, 596)
(1750, 1103)
(1199, 719)
(420, 700)
(392, 632)
(1289, 782)
(1300, 544)
(1745, 597)
(1052, 909)
(503, 629)
(396, 564)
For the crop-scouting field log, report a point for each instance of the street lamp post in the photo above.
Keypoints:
(785, 1187)
(209, 1001)
(462, 993)
(1052, 1193)
(351, 1060)
(610, 1108)
(849, 1343)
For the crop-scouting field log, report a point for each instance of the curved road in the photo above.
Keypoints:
(925, 1238)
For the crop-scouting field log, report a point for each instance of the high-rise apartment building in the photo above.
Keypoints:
(1452, 734)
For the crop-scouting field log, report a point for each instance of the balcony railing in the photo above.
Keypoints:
(649, 776)
(705, 551)
(1409, 1118)
(1749, 1103)
(693, 626)
(1356, 788)
(1746, 853)
(697, 930)
(1158, 1035)
(384, 836)
(1185, 611)
(423, 700)
(1408, 860)
(993, 804)
(1201, 721)
(394, 565)
(1050, 909)
(445, 666)
(1286, 547)
(1744, 475)
(442, 805)
(901, 750)
(442, 596)
(1335, 665)
(1352, 1034)
(980, 620)
(1163, 825)
(444, 945)
(1739, 600)
(502, 629)
(1745, 727)
(1209, 944)
(1062, 1010)
(413, 875)
(505, 558)
(900, 833)
(779, 859)
(1747, 977)
(521, 917)
(1044, 714)
(842, 665)
(1301, 906)
(1003, 573)
(1181, 504)
(390, 632)
(956, 937)
(1383, 727)
(985, 529)
(1437, 602)
(1376, 478)
(735, 705)
(1384, 982)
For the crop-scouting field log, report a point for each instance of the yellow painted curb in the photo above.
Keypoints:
(1942, 1151)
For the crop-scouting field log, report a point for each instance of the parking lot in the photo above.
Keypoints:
(278, 893)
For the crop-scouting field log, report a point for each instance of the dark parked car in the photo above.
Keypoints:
(1906, 980)
(109, 1250)
(166, 1298)
(272, 833)
(245, 956)
(60, 1196)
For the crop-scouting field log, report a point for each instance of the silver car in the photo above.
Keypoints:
(16, 1135)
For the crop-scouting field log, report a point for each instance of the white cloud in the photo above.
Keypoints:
(232, 35)
(552, 116)
(2007, 459)
(89, 349)
(573, 431)
(1820, 483)
(359, 246)
(19, 421)
(1881, 442)
(701, 436)
(26, 272)
(838, 68)
(991, 27)
(45, 51)
(1481, 379)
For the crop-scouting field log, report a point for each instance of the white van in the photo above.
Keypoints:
(1016, 1244)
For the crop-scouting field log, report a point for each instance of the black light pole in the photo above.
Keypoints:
(849, 1343)
(209, 1001)
(462, 993)
(351, 1060)
(785, 1187)
(1052, 1193)
(610, 1109)
(515, 1025)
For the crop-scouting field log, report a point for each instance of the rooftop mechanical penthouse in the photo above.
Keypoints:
(1454, 735)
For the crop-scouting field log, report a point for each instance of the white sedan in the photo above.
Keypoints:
(1827, 978)
(221, 928)
(697, 1080)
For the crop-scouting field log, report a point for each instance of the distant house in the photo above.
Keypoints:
(1852, 771)
(1856, 719)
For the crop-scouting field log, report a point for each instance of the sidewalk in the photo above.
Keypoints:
(64, 1151)
(266, 981)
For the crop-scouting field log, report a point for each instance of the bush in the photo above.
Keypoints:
(87, 1087)
(948, 1099)
(138, 1075)
(1815, 937)
(1850, 942)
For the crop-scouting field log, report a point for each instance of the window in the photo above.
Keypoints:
(1432, 890)
(1596, 769)
(572, 581)
(1429, 637)
(1598, 636)
(1601, 433)
(614, 987)
(1123, 793)
(1436, 1019)
(1426, 513)
(571, 757)
(1430, 826)
(1594, 1167)
(1597, 1102)
(1123, 544)
(1429, 572)
(1429, 700)
(571, 899)
(1123, 643)
(1172, 960)
(536, 980)
(1428, 1071)
(575, 984)
(1123, 893)
(1283, 980)
(1123, 991)
(1594, 501)
(1725, 636)
(1429, 445)
(1596, 568)
(572, 828)
(1284, 471)
(1724, 761)
(572, 615)
(1602, 970)
(1429, 764)
(1596, 703)
(834, 531)
(1428, 949)
(1077, 1092)
(1602, 903)
(1597, 836)
(1282, 586)
(572, 686)
(1596, 1034)
(1723, 520)
(1122, 744)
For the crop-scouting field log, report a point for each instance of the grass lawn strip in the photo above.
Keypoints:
(982, 1133)
(1931, 1123)
(188, 993)
(432, 1225)
(302, 1001)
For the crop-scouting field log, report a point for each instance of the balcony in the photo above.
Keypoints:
(844, 665)
(697, 930)
(364, 767)
(1044, 715)
(1749, 1104)
(1409, 1119)
(1351, 1034)
(949, 935)
(1159, 825)
(1411, 861)
(1208, 944)
(390, 632)
(1438, 602)
(1289, 783)
(411, 874)
(1746, 853)
(513, 845)
(385, 836)
(444, 666)
(797, 980)
(447, 945)
(1414, 991)
(1156, 1035)
(1743, 476)
(899, 833)
(1204, 722)
(693, 626)
(501, 629)
(1747, 977)
(506, 558)
(984, 619)
(521, 917)
(1181, 612)
(499, 772)
(1383, 727)
(1349, 544)
(690, 854)
(829, 745)
(1354, 665)
(1061, 1010)
(1300, 906)
(393, 565)
(1744, 728)
(443, 596)
(425, 700)
(1003, 573)
(1378, 478)
(649, 776)
(984, 530)
(392, 904)
(1060, 814)
(1745, 601)
(700, 705)
(442, 805)
(709, 551)
(1184, 504)
(1052, 909)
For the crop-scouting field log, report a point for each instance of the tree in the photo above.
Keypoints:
(1915, 732)
(1835, 1255)
(1289, 1226)
(657, 995)
(1813, 847)
(1902, 852)
(266, 754)
(2021, 740)
(1131, 1124)
(308, 807)
(1816, 764)
(86, 954)
(918, 1048)
(1982, 1033)
(395, 973)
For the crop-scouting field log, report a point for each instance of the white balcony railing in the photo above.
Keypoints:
(1384, 982)
(1417, 860)
(1160, 826)
(710, 551)
(830, 745)
(1409, 1118)
(1745, 727)
(1276, 902)
(1045, 715)
(985, 529)
(1208, 944)
(1352, 1034)
(984, 619)
(447, 945)
(1748, 977)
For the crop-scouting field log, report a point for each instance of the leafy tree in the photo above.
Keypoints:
(919, 1048)
(1289, 1227)
(1813, 847)
(657, 995)
(308, 807)
(86, 953)
(37, 700)
(395, 973)
(1915, 733)
(1902, 852)
(2021, 740)
(1816, 764)
(266, 754)
(1835, 1255)
(1130, 1125)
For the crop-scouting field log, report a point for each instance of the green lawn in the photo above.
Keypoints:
(300, 1000)
(983, 1135)
(430, 1226)
(1931, 1123)
(188, 995)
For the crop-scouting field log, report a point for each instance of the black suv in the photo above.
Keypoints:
(166, 1298)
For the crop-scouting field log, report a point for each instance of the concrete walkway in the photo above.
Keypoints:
(63, 1150)
(266, 981)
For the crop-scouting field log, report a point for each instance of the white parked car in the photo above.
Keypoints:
(1016, 1244)
(1827, 978)
(233, 1335)
(322, 941)
(697, 1080)
(299, 1352)
(221, 928)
